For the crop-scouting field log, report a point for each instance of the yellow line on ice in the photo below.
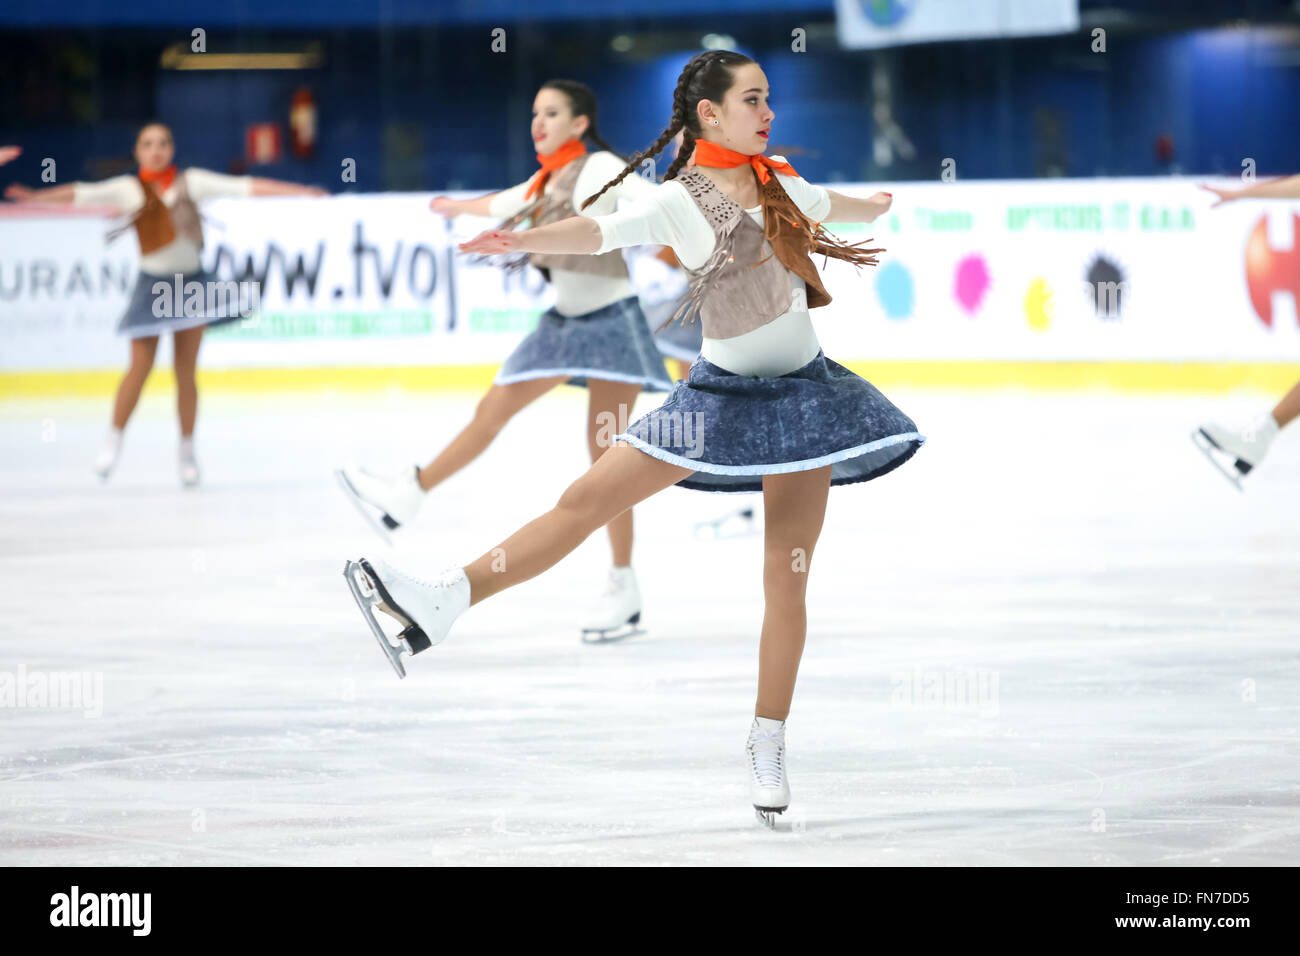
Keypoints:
(1125, 376)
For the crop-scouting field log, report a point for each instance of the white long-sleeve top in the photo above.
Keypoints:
(668, 216)
(577, 293)
(126, 193)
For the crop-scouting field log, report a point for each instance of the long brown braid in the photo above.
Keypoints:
(706, 77)
(791, 233)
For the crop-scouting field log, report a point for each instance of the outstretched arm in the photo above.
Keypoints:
(1288, 187)
(848, 209)
(576, 235)
(19, 193)
(279, 187)
(451, 208)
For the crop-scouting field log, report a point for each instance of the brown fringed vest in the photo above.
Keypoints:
(556, 204)
(743, 285)
(157, 225)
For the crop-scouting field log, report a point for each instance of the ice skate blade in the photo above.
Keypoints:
(767, 815)
(592, 635)
(383, 525)
(369, 593)
(1211, 451)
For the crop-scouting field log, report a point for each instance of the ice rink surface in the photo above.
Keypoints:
(1056, 636)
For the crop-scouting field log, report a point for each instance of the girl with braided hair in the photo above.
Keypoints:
(762, 409)
(594, 336)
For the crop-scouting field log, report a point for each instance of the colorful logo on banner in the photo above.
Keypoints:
(1040, 306)
(895, 290)
(887, 13)
(1270, 270)
(971, 283)
(1108, 287)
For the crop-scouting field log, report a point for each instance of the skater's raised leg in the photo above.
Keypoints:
(426, 609)
(620, 478)
(794, 507)
(494, 410)
(390, 502)
(1236, 450)
(1288, 409)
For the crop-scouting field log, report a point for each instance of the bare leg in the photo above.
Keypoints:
(609, 406)
(1288, 408)
(793, 509)
(620, 478)
(498, 406)
(143, 351)
(185, 345)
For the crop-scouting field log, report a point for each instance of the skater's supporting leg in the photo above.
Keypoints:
(793, 509)
(1287, 409)
(618, 480)
(610, 405)
(143, 350)
(185, 360)
(498, 406)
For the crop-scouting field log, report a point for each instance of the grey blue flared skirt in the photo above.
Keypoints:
(733, 429)
(609, 344)
(182, 301)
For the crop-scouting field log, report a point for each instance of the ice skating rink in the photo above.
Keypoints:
(1056, 636)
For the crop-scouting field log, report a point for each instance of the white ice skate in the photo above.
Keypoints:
(106, 460)
(765, 753)
(733, 524)
(387, 503)
(189, 466)
(1236, 451)
(425, 609)
(617, 612)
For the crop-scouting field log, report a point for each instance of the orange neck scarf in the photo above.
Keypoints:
(163, 177)
(553, 161)
(711, 154)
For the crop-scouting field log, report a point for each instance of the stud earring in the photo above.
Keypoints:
(715, 122)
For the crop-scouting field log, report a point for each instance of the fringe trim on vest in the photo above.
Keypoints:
(794, 238)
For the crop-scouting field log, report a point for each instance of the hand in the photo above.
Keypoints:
(1225, 195)
(19, 193)
(445, 206)
(9, 153)
(882, 202)
(493, 242)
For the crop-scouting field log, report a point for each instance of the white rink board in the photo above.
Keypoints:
(972, 271)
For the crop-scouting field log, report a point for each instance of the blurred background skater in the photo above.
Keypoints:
(1236, 449)
(161, 203)
(778, 417)
(595, 335)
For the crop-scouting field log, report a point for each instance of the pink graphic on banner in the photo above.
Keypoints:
(972, 283)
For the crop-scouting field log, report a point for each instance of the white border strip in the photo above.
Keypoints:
(780, 468)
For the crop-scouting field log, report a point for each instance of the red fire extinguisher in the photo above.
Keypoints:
(302, 123)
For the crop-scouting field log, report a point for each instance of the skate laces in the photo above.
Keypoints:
(766, 756)
(444, 579)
